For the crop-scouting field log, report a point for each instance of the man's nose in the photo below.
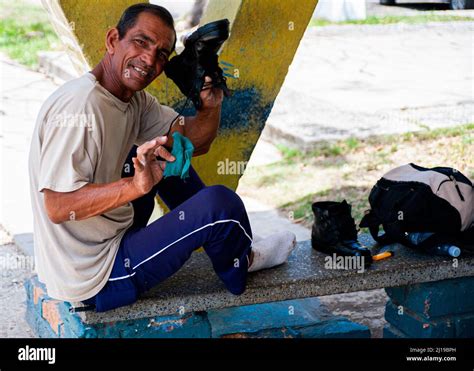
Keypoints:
(149, 59)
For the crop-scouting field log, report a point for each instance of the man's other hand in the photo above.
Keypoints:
(211, 97)
(148, 169)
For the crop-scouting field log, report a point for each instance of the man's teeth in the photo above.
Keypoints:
(139, 70)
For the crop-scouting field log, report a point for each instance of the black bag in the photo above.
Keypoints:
(412, 198)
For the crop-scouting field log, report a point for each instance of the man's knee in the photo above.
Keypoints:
(219, 196)
(220, 193)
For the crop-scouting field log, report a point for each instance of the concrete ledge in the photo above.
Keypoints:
(196, 288)
(57, 65)
(302, 318)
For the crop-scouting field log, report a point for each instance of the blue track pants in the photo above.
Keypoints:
(212, 217)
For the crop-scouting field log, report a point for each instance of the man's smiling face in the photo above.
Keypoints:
(140, 56)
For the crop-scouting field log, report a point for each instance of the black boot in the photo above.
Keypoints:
(199, 59)
(334, 231)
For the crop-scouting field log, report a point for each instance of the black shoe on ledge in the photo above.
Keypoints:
(334, 231)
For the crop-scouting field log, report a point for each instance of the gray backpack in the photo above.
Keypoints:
(411, 198)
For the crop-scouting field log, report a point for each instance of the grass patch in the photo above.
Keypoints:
(374, 20)
(301, 212)
(348, 169)
(25, 30)
(287, 152)
(352, 143)
(391, 142)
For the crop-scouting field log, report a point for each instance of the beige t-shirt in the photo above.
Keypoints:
(83, 134)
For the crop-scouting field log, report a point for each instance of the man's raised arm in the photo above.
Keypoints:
(202, 128)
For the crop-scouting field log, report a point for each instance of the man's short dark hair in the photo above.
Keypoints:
(130, 15)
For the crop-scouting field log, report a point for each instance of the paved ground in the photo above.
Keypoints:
(14, 268)
(23, 92)
(368, 80)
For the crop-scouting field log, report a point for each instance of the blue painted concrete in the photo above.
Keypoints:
(192, 325)
(434, 299)
(70, 326)
(304, 318)
(40, 327)
(242, 111)
(336, 329)
(390, 332)
(416, 326)
(442, 309)
(291, 318)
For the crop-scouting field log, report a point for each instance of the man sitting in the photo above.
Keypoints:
(93, 189)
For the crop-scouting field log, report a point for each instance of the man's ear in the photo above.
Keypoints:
(111, 40)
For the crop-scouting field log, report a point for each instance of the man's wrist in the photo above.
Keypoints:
(131, 189)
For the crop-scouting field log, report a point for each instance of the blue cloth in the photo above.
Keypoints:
(183, 152)
(149, 254)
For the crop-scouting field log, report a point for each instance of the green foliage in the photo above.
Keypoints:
(374, 20)
(25, 30)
